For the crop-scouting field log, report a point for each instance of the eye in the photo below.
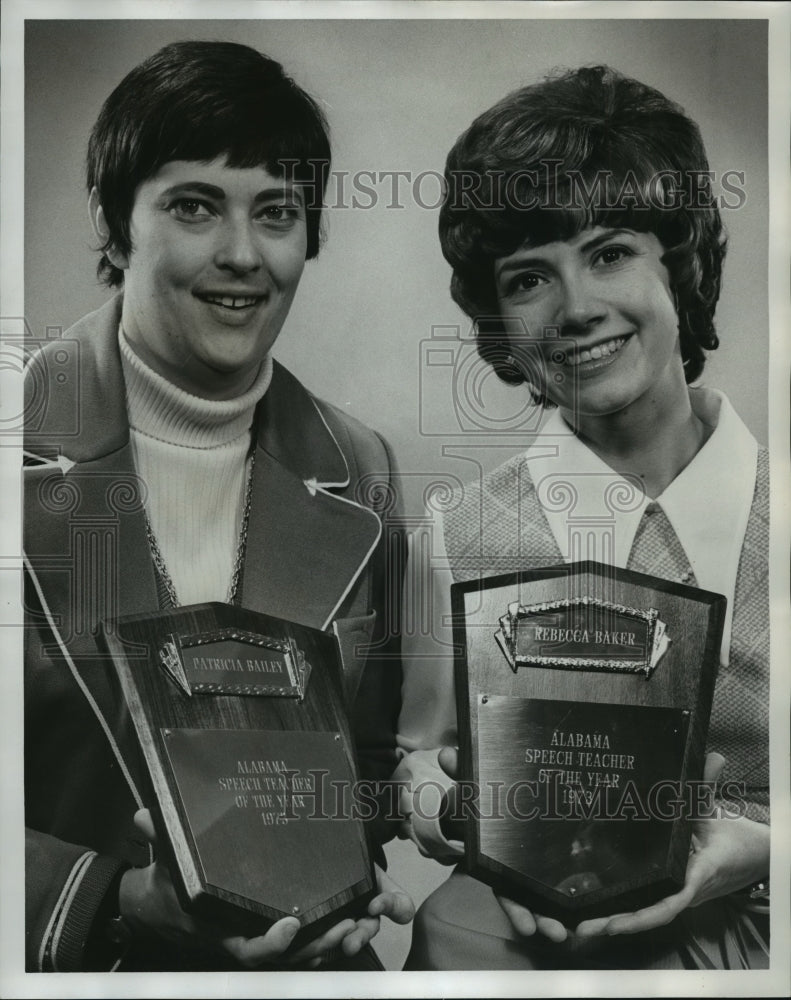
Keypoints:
(526, 281)
(612, 254)
(189, 210)
(280, 216)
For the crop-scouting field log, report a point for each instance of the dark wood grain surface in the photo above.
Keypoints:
(297, 861)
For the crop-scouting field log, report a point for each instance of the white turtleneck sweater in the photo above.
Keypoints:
(192, 454)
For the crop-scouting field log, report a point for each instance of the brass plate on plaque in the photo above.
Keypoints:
(562, 783)
(234, 661)
(223, 712)
(243, 790)
(583, 633)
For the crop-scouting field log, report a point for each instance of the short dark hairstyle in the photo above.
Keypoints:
(582, 148)
(197, 101)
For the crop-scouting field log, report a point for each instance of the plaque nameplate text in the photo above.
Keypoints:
(233, 661)
(583, 633)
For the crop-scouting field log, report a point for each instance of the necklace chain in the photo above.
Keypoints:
(241, 546)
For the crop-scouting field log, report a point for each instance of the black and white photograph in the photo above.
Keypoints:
(394, 427)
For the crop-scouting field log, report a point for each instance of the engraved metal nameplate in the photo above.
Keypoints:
(233, 661)
(583, 633)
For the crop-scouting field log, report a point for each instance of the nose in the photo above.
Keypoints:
(238, 248)
(580, 307)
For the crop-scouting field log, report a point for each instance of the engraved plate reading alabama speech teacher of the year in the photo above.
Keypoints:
(243, 727)
(255, 813)
(574, 780)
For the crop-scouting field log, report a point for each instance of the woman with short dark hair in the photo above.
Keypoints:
(198, 470)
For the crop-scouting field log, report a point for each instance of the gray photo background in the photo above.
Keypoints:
(397, 94)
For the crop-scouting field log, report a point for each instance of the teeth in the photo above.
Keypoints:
(230, 302)
(595, 353)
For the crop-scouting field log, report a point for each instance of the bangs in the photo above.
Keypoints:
(274, 133)
(204, 101)
(549, 201)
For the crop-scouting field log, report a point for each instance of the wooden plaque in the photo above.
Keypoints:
(584, 694)
(241, 721)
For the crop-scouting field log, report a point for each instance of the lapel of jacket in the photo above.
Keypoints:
(85, 536)
(308, 540)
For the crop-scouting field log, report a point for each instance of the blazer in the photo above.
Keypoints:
(318, 551)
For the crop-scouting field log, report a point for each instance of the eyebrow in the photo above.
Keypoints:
(218, 194)
(592, 244)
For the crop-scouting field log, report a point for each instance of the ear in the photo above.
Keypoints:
(102, 231)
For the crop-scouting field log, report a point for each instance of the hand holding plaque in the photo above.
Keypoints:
(150, 905)
(727, 854)
(524, 921)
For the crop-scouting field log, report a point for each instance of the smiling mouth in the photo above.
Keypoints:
(232, 301)
(604, 350)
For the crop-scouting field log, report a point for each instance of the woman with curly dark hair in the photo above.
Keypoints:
(585, 238)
